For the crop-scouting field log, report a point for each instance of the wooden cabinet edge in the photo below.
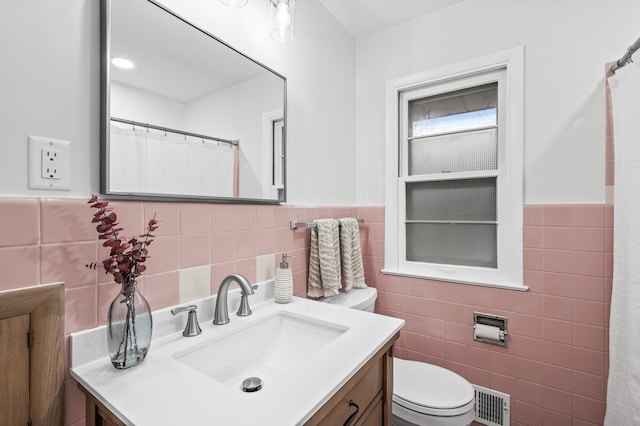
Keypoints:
(97, 414)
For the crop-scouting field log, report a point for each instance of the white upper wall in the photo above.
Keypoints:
(50, 87)
(567, 44)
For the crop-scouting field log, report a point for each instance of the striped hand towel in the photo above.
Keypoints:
(324, 259)
(351, 254)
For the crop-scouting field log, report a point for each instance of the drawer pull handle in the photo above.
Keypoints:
(352, 417)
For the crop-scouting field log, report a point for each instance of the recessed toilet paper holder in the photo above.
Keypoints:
(490, 329)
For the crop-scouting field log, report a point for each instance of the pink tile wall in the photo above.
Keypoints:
(51, 240)
(554, 368)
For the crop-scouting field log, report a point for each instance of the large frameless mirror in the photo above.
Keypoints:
(185, 116)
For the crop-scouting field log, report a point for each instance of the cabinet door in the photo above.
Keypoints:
(356, 398)
(14, 370)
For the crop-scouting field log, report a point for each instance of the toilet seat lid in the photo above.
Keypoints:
(356, 298)
(430, 389)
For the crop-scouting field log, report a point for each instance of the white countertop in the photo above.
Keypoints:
(164, 391)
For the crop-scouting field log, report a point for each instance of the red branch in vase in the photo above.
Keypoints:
(127, 256)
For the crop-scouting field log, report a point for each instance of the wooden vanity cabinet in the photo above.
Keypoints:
(364, 400)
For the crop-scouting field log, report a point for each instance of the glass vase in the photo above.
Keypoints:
(129, 327)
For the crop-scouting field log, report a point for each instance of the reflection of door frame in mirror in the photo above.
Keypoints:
(276, 197)
(273, 189)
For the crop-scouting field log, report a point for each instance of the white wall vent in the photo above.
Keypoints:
(492, 407)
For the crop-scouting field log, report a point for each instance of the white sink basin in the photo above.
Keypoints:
(271, 345)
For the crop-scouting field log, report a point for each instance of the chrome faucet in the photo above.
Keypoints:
(221, 314)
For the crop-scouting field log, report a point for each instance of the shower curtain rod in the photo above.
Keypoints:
(626, 58)
(179, 132)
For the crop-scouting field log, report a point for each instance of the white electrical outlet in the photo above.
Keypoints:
(49, 164)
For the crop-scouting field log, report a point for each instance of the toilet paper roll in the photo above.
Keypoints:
(488, 332)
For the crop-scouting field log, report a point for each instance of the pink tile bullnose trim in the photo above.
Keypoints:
(167, 215)
(19, 222)
(66, 220)
(557, 215)
(194, 218)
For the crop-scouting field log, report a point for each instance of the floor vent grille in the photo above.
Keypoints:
(492, 407)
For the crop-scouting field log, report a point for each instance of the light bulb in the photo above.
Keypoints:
(283, 18)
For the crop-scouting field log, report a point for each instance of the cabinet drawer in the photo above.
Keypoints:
(362, 393)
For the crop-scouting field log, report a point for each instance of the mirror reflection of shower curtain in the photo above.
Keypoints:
(148, 160)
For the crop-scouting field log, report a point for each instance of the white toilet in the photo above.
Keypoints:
(423, 394)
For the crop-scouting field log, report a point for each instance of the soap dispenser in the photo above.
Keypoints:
(283, 286)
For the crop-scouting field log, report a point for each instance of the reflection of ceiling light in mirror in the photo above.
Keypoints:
(234, 3)
(283, 14)
(122, 63)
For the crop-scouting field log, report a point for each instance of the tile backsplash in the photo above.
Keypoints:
(555, 367)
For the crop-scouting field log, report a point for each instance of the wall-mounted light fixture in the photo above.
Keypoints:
(234, 3)
(283, 17)
(283, 20)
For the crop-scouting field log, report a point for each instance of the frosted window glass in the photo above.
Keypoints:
(459, 152)
(459, 244)
(454, 111)
(454, 200)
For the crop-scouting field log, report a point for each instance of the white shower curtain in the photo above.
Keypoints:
(623, 393)
(127, 153)
(147, 160)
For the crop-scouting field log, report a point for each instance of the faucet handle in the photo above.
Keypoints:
(192, 328)
(251, 287)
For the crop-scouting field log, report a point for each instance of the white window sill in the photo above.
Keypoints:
(516, 287)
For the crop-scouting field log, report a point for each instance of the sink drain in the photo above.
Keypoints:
(251, 384)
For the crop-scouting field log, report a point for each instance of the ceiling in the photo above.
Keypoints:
(361, 17)
(172, 59)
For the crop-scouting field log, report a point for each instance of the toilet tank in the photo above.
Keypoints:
(363, 299)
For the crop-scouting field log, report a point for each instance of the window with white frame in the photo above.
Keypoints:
(454, 172)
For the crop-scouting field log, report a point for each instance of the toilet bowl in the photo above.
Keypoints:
(423, 394)
(426, 394)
